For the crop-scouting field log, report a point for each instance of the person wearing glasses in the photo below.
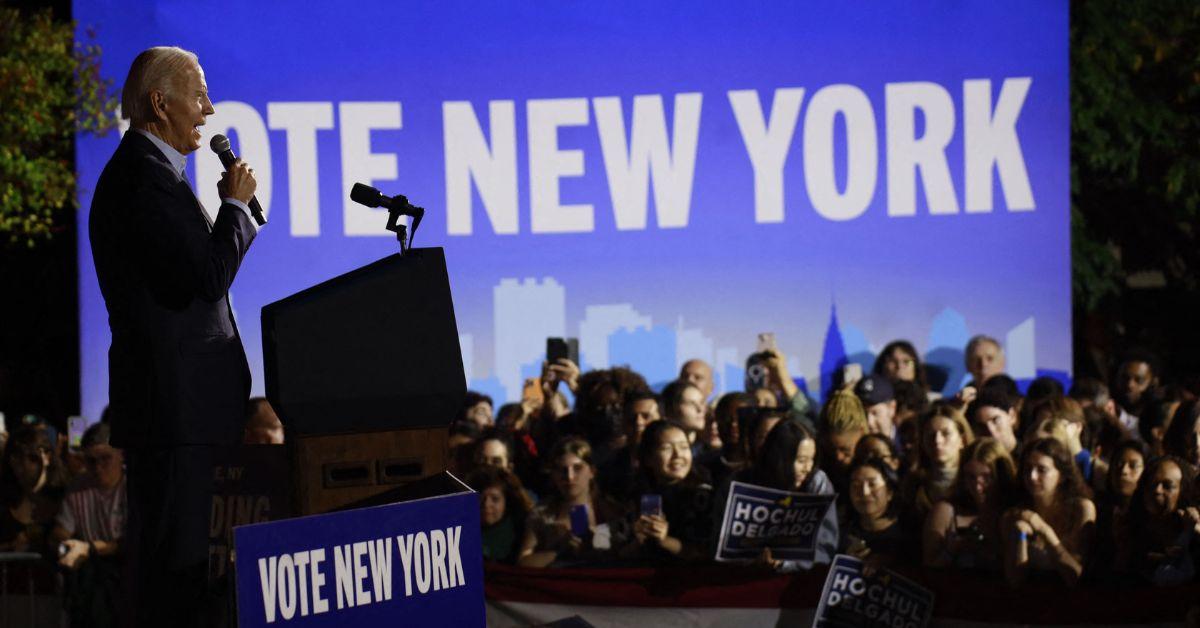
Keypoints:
(89, 528)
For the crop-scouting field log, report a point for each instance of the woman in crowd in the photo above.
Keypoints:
(1182, 438)
(503, 509)
(733, 455)
(874, 529)
(788, 462)
(900, 361)
(942, 436)
(964, 530)
(1126, 466)
(683, 404)
(550, 535)
(31, 490)
(1051, 527)
(1158, 544)
(1125, 469)
(680, 525)
(879, 446)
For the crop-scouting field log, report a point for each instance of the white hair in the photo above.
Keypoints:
(153, 69)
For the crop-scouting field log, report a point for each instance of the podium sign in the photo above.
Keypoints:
(417, 563)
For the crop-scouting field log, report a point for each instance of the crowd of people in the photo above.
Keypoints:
(1088, 484)
(1091, 484)
(66, 504)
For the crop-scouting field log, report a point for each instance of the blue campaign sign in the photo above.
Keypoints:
(885, 599)
(757, 517)
(416, 563)
(661, 181)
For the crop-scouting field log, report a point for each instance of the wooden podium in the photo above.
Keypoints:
(366, 373)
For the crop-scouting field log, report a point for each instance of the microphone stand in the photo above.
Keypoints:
(394, 225)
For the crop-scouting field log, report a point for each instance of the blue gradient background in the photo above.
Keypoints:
(723, 273)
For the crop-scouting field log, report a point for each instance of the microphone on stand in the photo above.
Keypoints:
(220, 145)
(397, 206)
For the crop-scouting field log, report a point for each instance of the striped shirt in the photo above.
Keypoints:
(90, 514)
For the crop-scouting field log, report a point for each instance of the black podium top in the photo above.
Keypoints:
(373, 349)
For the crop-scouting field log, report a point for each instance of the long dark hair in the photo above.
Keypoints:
(890, 478)
(776, 464)
(1114, 469)
(1070, 482)
(1180, 440)
(994, 456)
(907, 347)
(516, 501)
(1138, 515)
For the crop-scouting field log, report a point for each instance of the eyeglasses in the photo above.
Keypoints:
(93, 461)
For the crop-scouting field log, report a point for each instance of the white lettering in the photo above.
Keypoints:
(907, 154)
(767, 144)
(301, 121)
(343, 579)
(360, 165)
(453, 536)
(320, 604)
(301, 561)
(548, 164)
(649, 153)
(990, 137)
(380, 555)
(862, 152)
(268, 579)
(421, 566)
(361, 595)
(287, 587)
(404, 545)
(493, 169)
(247, 128)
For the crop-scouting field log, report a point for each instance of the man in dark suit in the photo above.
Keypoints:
(178, 377)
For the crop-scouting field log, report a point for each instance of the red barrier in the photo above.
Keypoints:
(959, 596)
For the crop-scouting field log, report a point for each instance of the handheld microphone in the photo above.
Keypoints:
(220, 145)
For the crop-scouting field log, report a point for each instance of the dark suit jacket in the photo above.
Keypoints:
(177, 370)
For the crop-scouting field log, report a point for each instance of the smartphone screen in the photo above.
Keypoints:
(562, 349)
(579, 521)
(851, 374)
(766, 342)
(652, 505)
(76, 425)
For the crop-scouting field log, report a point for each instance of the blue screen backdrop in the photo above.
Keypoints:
(662, 180)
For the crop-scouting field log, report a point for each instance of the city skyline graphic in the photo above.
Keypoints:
(527, 311)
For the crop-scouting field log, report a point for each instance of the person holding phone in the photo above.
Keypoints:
(767, 374)
(675, 499)
(575, 522)
(963, 531)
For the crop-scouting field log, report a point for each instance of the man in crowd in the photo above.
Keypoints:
(699, 374)
(985, 358)
(1136, 388)
(90, 526)
(879, 400)
(178, 376)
